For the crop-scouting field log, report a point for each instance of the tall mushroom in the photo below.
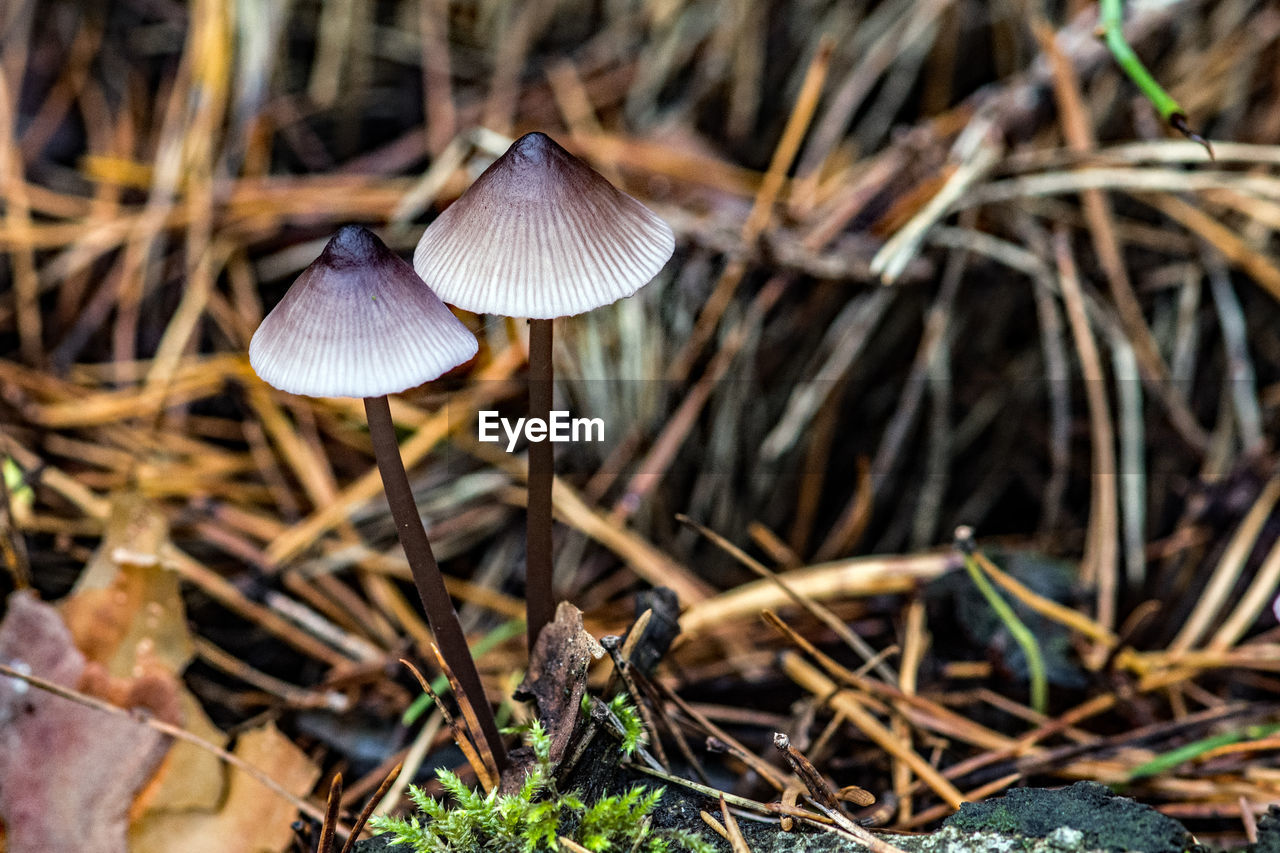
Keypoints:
(540, 234)
(359, 322)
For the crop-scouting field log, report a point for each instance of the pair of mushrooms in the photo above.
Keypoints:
(540, 235)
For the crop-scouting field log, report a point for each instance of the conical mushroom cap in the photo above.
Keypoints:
(541, 234)
(358, 322)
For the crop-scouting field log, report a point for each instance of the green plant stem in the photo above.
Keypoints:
(1111, 28)
(441, 616)
(440, 683)
(1021, 633)
(539, 599)
(1169, 760)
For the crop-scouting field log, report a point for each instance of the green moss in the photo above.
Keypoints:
(536, 816)
(633, 731)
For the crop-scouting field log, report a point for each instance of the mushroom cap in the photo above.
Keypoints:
(541, 234)
(358, 322)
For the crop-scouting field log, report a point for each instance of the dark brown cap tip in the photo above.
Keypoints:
(537, 148)
(353, 245)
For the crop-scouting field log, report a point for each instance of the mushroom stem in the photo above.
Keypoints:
(539, 600)
(441, 616)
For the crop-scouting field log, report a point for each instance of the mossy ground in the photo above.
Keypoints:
(1082, 817)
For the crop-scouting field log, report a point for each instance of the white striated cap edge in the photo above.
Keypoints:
(541, 234)
(358, 322)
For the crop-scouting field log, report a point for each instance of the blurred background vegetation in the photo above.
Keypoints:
(937, 263)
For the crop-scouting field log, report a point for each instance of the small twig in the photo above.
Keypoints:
(331, 815)
(766, 770)
(635, 633)
(714, 824)
(1046, 607)
(818, 611)
(1226, 574)
(1101, 543)
(369, 806)
(768, 809)
(1235, 339)
(612, 644)
(819, 790)
(649, 689)
(732, 830)
(808, 677)
(977, 151)
(484, 773)
(859, 834)
(789, 798)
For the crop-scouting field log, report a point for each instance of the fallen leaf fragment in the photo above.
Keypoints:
(252, 819)
(126, 610)
(557, 676)
(68, 773)
(126, 613)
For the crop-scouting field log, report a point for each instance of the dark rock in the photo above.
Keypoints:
(380, 844)
(1268, 833)
(1107, 821)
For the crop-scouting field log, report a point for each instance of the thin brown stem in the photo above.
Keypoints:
(426, 572)
(330, 825)
(370, 804)
(539, 599)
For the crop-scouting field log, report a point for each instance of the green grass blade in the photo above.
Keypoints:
(1111, 28)
(1017, 628)
(496, 637)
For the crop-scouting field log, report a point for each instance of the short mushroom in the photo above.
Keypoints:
(540, 234)
(359, 322)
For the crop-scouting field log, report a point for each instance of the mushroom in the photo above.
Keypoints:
(359, 322)
(540, 234)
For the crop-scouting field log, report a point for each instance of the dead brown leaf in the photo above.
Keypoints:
(70, 774)
(557, 674)
(126, 613)
(251, 819)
